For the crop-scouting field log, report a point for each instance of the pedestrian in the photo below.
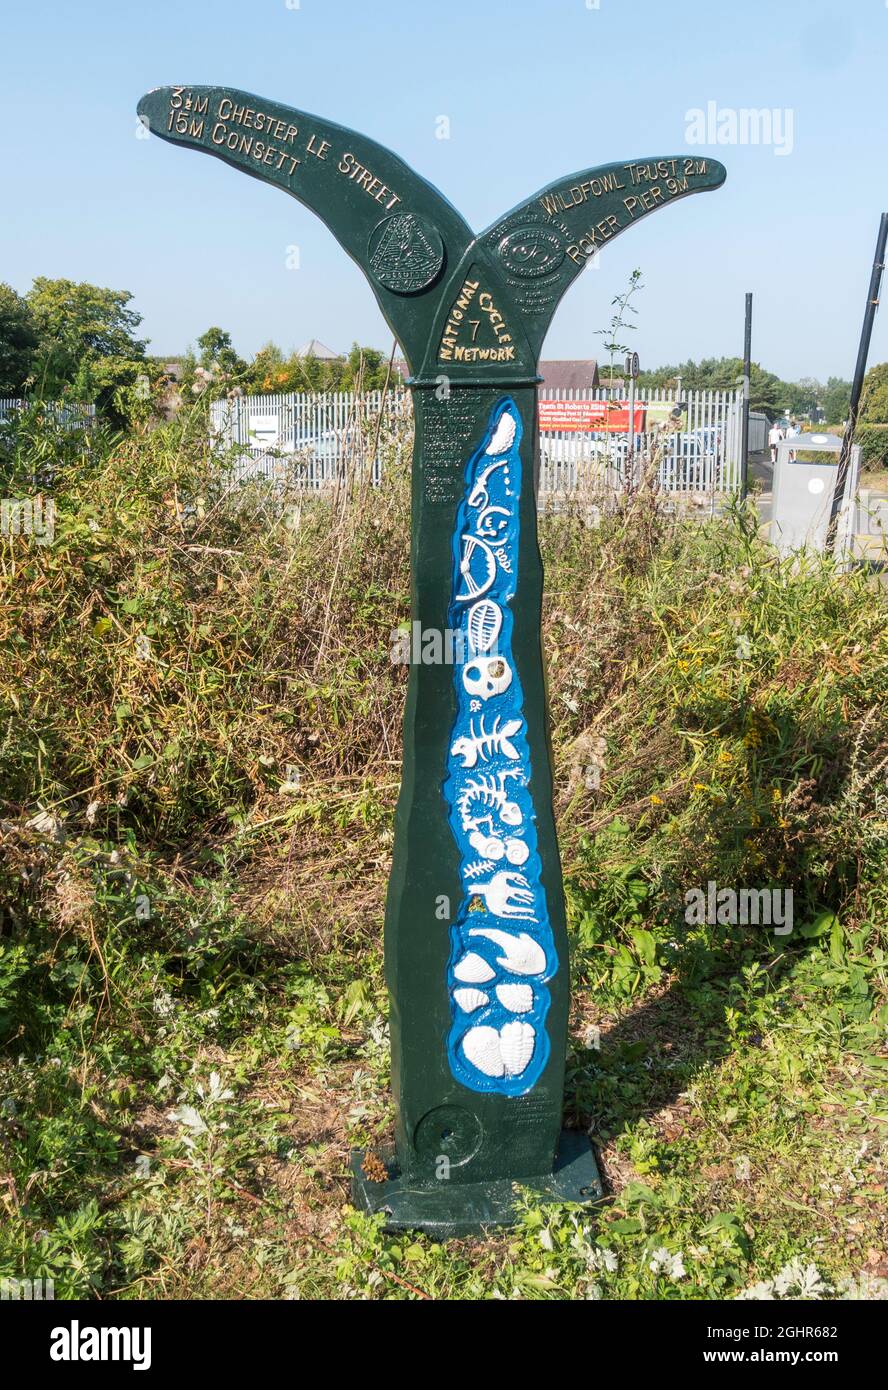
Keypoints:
(775, 434)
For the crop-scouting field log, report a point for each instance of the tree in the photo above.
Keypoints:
(18, 341)
(872, 428)
(803, 396)
(312, 373)
(268, 370)
(660, 378)
(215, 369)
(78, 322)
(217, 353)
(365, 367)
(767, 393)
(874, 400)
(836, 400)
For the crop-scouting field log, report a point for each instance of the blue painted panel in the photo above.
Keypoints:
(502, 949)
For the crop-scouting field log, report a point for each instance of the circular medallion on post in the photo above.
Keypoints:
(406, 253)
(530, 252)
(449, 1131)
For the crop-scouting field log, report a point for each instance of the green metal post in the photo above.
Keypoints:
(475, 939)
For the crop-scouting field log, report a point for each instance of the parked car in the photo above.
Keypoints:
(580, 459)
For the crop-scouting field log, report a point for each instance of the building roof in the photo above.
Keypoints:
(570, 374)
(566, 374)
(315, 348)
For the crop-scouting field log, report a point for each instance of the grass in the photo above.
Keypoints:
(199, 759)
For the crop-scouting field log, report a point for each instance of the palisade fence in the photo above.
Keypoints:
(68, 414)
(701, 458)
(312, 439)
(318, 440)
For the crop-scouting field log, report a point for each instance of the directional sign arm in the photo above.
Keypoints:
(402, 232)
(543, 244)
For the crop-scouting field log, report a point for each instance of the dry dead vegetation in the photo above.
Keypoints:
(199, 758)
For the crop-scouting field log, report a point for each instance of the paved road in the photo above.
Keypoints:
(760, 476)
(761, 469)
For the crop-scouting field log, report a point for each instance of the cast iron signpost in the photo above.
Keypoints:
(475, 941)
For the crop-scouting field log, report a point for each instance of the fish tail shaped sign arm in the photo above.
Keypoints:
(475, 938)
(402, 232)
(543, 244)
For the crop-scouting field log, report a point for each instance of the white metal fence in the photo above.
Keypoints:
(310, 436)
(64, 413)
(314, 437)
(701, 457)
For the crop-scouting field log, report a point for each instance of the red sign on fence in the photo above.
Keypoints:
(612, 417)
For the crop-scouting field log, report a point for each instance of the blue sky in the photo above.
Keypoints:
(533, 89)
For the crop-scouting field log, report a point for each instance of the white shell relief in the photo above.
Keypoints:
(473, 969)
(505, 1052)
(518, 999)
(471, 999)
(488, 846)
(482, 1047)
(516, 1046)
(503, 435)
(521, 954)
(493, 848)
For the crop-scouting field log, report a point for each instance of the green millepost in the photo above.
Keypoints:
(475, 941)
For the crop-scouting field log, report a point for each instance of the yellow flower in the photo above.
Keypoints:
(725, 756)
(657, 800)
(684, 666)
(701, 787)
(776, 794)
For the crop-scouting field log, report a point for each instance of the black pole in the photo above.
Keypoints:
(744, 423)
(872, 304)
